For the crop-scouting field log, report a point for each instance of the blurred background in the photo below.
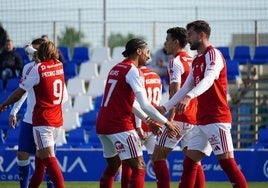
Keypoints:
(96, 24)
(98, 21)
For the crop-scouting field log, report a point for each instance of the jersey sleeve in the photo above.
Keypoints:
(175, 71)
(135, 80)
(17, 105)
(30, 79)
(214, 65)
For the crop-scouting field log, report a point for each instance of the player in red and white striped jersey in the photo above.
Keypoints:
(115, 126)
(178, 70)
(153, 86)
(47, 81)
(207, 82)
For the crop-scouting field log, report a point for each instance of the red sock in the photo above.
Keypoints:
(126, 174)
(107, 178)
(54, 172)
(189, 173)
(233, 172)
(137, 178)
(162, 174)
(200, 178)
(38, 174)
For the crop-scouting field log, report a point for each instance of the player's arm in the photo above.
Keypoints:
(134, 80)
(140, 116)
(16, 107)
(180, 94)
(212, 72)
(173, 88)
(139, 129)
(12, 98)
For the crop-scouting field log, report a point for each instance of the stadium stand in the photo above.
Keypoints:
(96, 87)
(88, 71)
(97, 102)
(71, 120)
(76, 86)
(24, 56)
(88, 120)
(104, 69)
(70, 70)
(65, 52)
(77, 138)
(82, 104)
(117, 54)
(225, 50)
(93, 139)
(242, 54)
(260, 55)
(233, 71)
(262, 140)
(101, 55)
(12, 84)
(81, 54)
(12, 138)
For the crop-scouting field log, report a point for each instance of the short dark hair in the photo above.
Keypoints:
(180, 34)
(200, 26)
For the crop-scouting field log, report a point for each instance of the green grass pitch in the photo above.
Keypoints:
(147, 185)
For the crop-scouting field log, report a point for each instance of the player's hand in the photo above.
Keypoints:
(155, 128)
(173, 129)
(182, 105)
(141, 133)
(12, 121)
(2, 107)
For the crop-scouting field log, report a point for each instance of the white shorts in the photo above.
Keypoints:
(215, 136)
(126, 144)
(164, 141)
(45, 136)
(149, 143)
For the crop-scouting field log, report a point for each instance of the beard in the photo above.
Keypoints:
(194, 46)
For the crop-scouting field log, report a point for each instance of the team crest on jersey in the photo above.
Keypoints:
(119, 147)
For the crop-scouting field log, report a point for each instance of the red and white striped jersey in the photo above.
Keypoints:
(115, 114)
(47, 80)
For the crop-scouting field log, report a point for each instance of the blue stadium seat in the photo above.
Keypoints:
(4, 119)
(70, 70)
(260, 55)
(12, 137)
(262, 140)
(80, 55)
(233, 71)
(97, 102)
(242, 54)
(225, 50)
(93, 139)
(89, 120)
(65, 52)
(12, 84)
(77, 138)
(24, 56)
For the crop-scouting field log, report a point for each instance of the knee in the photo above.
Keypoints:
(23, 155)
